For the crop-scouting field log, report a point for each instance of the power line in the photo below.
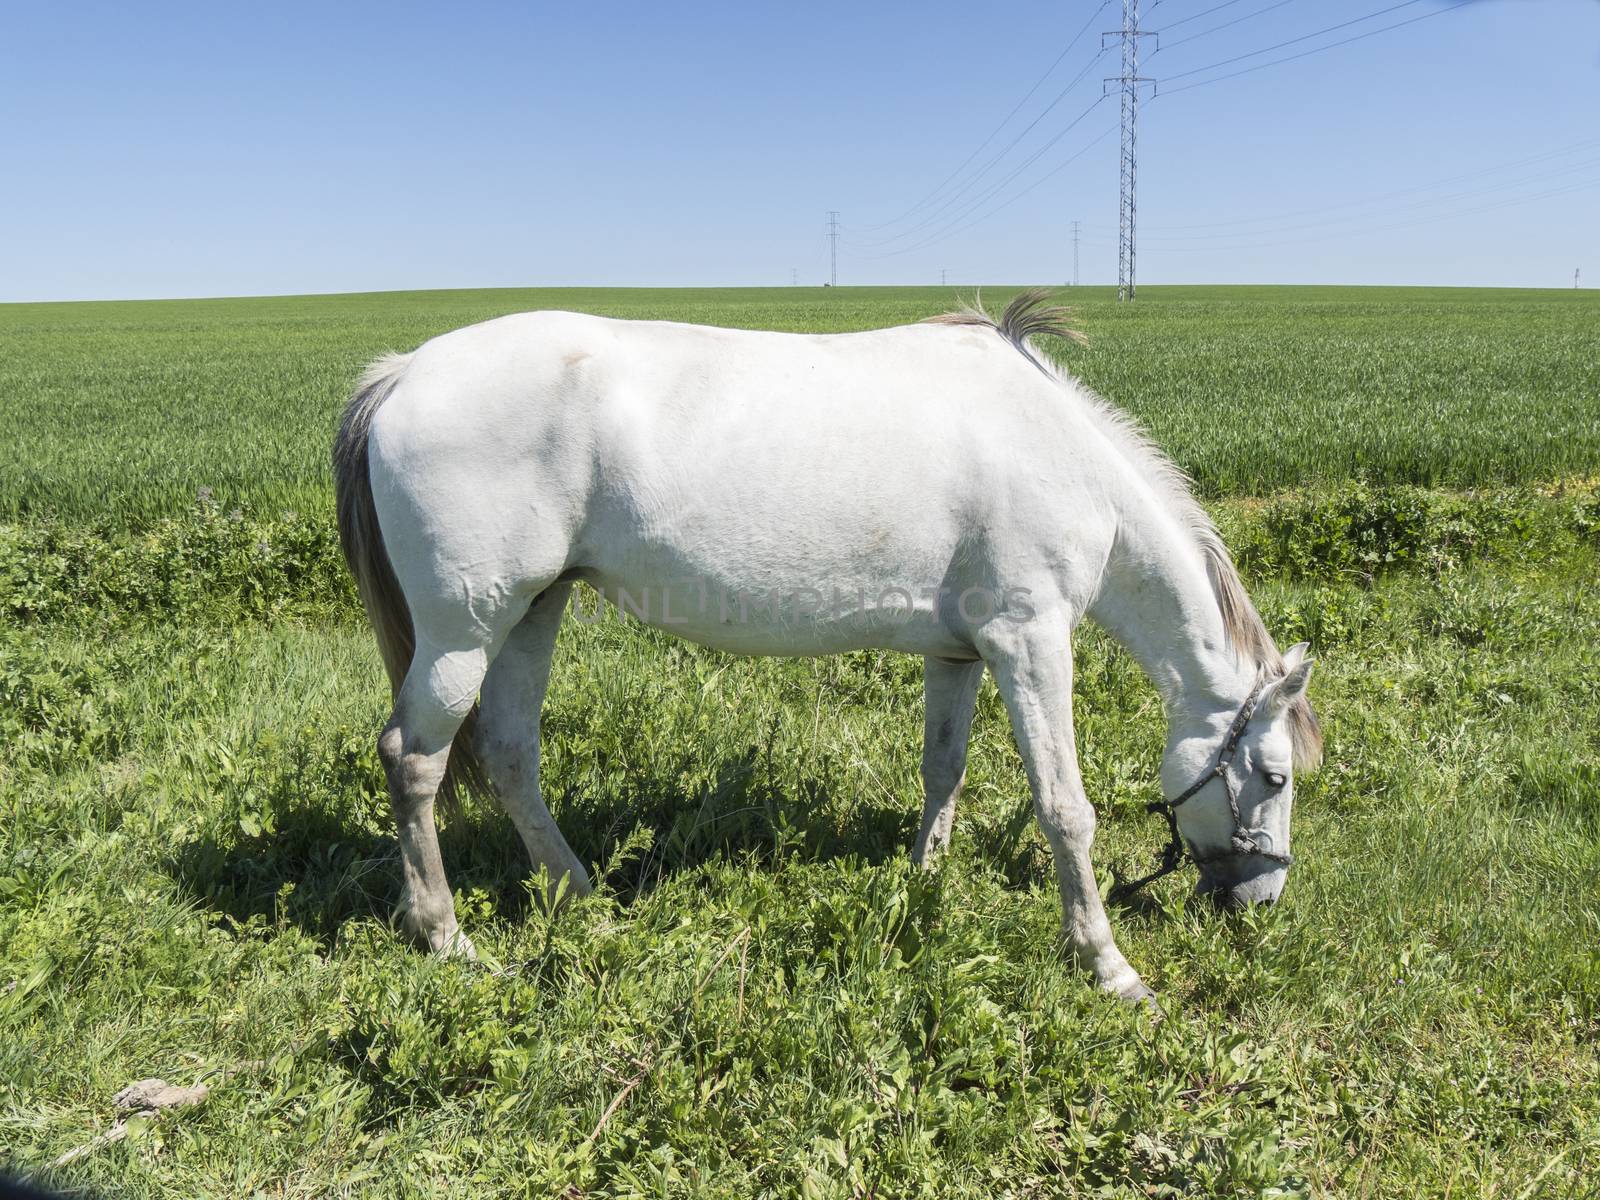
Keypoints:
(951, 231)
(1204, 13)
(1438, 12)
(955, 226)
(1415, 205)
(1544, 156)
(1304, 37)
(1038, 83)
(1319, 49)
(1433, 218)
(989, 165)
(1340, 234)
(1427, 202)
(1250, 16)
(966, 204)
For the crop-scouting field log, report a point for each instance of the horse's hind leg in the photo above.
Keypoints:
(438, 693)
(507, 737)
(950, 691)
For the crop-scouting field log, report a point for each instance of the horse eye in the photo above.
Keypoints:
(1275, 781)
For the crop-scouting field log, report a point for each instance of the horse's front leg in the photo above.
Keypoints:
(950, 692)
(1033, 669)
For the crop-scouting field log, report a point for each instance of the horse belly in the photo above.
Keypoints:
(779, 617)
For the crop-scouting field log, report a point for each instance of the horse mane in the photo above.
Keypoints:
(1031, 315)
(1028, 316)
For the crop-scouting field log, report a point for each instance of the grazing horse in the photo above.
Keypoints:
(937, 488)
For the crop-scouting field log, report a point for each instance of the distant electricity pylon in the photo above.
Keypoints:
(1575, 273)
(942, 273)
(1075, 225)
(794, 276)
(1128, 82)
(833, 247)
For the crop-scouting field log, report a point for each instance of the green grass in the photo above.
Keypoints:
(130, 409)
(197, 867)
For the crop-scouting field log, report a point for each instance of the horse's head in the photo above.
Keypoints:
(1235, 816)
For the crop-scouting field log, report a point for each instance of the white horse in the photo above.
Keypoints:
(935, 488)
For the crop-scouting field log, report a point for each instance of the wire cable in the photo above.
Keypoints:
(955, 196)
(1580, 186)
(1438, 12)
(1544, 156)
(1411, 206)
(1205, 12)
(1215, 28)
(944, 235)
(998, 187)
(1304, 37)
(1038, 83)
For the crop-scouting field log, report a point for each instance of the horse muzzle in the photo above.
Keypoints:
(1233, 884)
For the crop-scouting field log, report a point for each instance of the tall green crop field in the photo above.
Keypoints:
(197, 867)
(123, 411)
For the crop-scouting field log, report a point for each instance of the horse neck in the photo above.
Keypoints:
(1156, 599)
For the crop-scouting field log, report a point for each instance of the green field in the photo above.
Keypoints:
(129, 409)
(764, 999)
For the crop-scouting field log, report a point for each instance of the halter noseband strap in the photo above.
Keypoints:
(1240, 843)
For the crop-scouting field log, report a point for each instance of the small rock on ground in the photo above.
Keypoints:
(153, 1095)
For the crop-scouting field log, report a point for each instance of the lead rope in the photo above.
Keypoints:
(1176, 850)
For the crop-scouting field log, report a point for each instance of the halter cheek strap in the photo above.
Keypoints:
(1241, 842)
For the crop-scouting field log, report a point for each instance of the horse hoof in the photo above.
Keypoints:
(1137, 992)
(454, 944)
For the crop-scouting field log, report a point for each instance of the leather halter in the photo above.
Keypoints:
(1240, 843)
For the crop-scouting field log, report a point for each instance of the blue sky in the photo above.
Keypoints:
(189, 150)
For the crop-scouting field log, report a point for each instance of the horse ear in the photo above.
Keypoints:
(1292, 686)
